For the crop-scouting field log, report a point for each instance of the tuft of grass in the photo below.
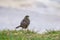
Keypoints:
(52, 32)
(28, 35)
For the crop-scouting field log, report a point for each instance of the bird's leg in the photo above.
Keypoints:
(27, 29)
(22, 29)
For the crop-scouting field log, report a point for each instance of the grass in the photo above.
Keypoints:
(28, 35)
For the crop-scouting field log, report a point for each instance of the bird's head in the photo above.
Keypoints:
(27, 16)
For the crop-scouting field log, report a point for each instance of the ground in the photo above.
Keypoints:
(28, 35)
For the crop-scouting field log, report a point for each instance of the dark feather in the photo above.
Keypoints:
(24, 23)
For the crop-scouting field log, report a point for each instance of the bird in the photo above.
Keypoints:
(24, 23)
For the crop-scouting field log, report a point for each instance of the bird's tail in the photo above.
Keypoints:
(17, 27)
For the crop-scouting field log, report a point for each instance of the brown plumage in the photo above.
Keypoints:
(24, 23)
